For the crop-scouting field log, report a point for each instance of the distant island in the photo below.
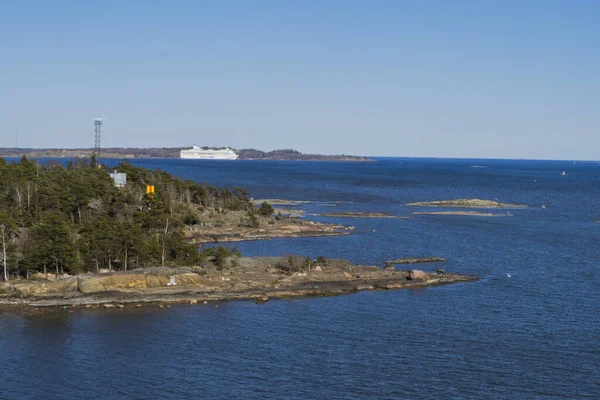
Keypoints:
(289, 154)
(171, 152)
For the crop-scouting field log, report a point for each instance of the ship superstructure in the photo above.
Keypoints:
(206, 153)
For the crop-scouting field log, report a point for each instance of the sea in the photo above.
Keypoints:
(528, 329)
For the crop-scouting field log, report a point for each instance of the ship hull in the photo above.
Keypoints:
(208, 157)
(197, 153)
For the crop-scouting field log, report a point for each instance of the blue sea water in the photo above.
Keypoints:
(535, 335)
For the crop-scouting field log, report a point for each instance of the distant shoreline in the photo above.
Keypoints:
(171, 153)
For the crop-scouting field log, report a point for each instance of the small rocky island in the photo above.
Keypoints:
(418, 260)
(465, 203)
(235, 278)
(353, 214)
(464, 213)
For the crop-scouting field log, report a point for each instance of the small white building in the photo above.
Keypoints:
(119, 178)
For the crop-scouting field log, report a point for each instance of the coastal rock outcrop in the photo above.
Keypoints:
(41, 287)
(416, 260)
(349, 214)
(230, 231)
(117, 281)
(93, 284)
(252, 278)
(5, 287)
(40, 276)
(263, 298)
(417, 275)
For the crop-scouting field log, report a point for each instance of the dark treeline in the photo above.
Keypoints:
(74, 219)
(153, 152)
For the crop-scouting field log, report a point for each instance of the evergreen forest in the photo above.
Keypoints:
(74, 219)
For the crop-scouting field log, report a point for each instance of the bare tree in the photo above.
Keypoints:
(7, 241)
(4, 234)
(164, 243)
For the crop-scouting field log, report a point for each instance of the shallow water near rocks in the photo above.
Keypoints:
(532, 336)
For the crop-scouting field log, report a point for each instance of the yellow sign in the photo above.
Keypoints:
(149, 189)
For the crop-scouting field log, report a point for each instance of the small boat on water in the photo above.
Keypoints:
(563, 173)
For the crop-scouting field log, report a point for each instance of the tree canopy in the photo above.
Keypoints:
(74, 219)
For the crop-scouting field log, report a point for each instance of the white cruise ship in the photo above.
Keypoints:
(208, 154)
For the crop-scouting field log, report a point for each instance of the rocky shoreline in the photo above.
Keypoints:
(246, 278)
(286, 228)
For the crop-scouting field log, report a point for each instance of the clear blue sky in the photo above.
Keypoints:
(508, 79)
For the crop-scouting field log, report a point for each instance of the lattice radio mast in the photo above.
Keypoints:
(97, 137)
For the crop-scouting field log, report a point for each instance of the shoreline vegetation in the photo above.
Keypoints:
(172, 152)
(69, 236)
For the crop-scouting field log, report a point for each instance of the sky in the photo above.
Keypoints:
(415, 78)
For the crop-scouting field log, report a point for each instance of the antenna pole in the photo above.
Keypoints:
(97, 137)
